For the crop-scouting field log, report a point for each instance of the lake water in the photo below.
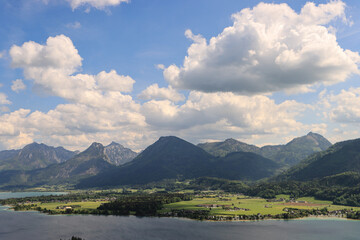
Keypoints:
(5, 195)
(36, 226)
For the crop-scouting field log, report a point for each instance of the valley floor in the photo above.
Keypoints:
(207, 205)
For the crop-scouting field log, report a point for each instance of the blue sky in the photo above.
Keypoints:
(132, 71)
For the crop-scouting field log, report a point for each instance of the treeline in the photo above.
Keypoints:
(340, 195)
(73, 197)
(142, 205)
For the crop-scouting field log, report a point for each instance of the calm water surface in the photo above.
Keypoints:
(33, 225)
(5, 195)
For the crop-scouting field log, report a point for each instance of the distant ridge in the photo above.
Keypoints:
(33, 156)
(90, 162)
(289, 154)
(221, 149)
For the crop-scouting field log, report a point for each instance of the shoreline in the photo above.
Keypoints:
(308, 218)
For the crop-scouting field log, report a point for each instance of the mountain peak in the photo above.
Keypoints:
(231, 140)
(114, 144)
(221, 149)
(118, 154)
(315, 135)
(168, 138)
(95, 148)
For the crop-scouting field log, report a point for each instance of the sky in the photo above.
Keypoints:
(73, 72)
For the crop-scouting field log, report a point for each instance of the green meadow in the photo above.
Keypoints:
(78, 205)
(254, 205)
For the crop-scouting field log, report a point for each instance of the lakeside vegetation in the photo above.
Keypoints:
(217, 205)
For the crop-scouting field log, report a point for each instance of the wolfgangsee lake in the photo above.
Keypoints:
(37, 226)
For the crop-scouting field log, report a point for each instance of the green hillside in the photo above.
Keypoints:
(341, 158)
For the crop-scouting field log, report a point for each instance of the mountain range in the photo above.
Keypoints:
(174, 158)
(289, 154)
(33, 156)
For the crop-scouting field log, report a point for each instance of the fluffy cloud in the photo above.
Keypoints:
(53, 68)
(224, 114)
(3, 99)
(113, 82)
(156, 93)
(98, 107)
(59, 54)
(99, 4)
(18, 85)
(268, 48)
(343, 107)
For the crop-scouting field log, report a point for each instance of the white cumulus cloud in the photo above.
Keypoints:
(157, 93)
(268, 48)
(225, 113)
(18, 85)
(343, 107)
(99, 109)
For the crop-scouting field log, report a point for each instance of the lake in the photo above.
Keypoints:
(37, 226)
(5, 195)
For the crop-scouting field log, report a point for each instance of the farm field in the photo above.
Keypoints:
(54, 206)
(242, 205)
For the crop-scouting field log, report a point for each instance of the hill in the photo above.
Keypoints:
(340, 161)
(33, 156)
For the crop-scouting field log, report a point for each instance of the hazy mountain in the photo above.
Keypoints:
(289, 154)
(88, 163)
(118, 154)
(340, 161)
(33, 156)
(172, 157)
(221, 149)
(297, 149)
